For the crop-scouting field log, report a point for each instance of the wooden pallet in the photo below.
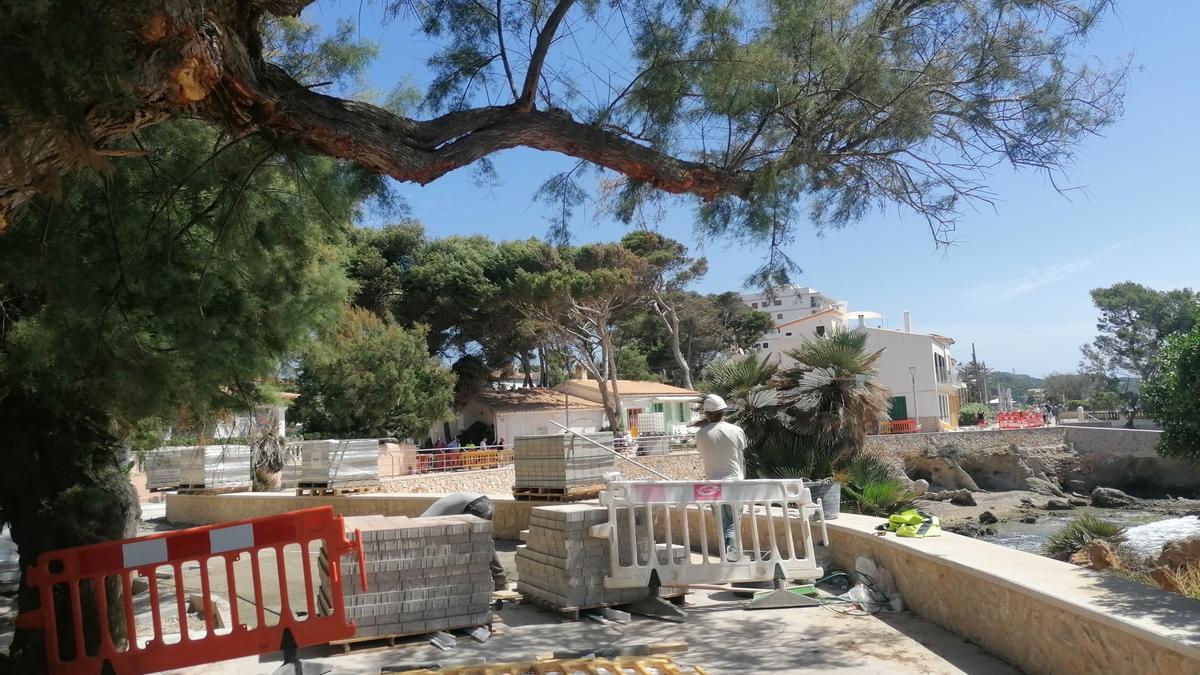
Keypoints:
(620, 665)
(553, 494)
(315, 489)
(674, 596)
(201, 490)
(389, 641)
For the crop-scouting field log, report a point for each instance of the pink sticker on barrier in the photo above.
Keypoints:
(707, 492)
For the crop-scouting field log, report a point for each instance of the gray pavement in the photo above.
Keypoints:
(721, 637)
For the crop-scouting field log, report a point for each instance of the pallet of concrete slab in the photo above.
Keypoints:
(547, 494)
(561, 566)
(343, 488)
(339, 463)
(424, 575)
(201, 490)
(198, 467)
(561, 461)
(480, 633)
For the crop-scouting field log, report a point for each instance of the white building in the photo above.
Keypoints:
(522, 412)
(788, 303)
(649, 407)
(916, 368)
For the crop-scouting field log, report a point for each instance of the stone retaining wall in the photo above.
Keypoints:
(1042, 615)
(679, 466)
(1040, 459)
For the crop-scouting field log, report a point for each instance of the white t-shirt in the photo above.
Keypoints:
(721, 446)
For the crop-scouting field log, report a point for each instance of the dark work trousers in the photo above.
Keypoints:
(482, 508)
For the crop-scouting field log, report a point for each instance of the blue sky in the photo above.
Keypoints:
(1016, 280)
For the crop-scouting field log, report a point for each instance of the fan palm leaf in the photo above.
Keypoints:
(831, 392)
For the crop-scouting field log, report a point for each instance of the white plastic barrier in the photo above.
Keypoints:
(674, 519)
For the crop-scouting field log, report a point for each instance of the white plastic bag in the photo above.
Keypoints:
(875, 590)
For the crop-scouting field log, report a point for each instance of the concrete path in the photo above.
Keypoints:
(722, 638)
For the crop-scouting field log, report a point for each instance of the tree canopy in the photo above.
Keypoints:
(1174, 396)
(767, 114)
(367, 376)
(1134, 325)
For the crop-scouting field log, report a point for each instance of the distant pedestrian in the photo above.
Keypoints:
(981, 419)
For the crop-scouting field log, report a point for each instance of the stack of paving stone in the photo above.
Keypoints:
(423, 575)
(561, 565)
(341, 463)
(561, 461)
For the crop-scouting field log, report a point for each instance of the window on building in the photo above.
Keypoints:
(788, 334)
(820, 331)
(778, 316)
(656, 407)
(766, 345)
(812, 301)
(754, 305)
(778, 303)
(944, 407)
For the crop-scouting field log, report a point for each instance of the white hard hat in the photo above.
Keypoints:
(714, 403)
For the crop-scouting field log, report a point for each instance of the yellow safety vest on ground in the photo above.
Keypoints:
(912, 523)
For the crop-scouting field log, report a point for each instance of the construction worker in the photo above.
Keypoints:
(722, 446)
(474, 504)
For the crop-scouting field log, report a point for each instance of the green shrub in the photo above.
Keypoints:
(871, 487)
(1077, 533)
(969, 412)
(1074, 405)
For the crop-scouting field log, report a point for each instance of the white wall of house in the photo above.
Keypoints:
(806, 327)
(790, 302)
(263, 417)
(932, 400)
(510, 424)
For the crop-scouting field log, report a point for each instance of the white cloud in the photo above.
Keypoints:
(1039, 277)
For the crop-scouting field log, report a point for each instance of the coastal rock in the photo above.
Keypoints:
(957, 497)
(988, 518)
(1075, 485)
(1165, 579)
(1029, 520)
(1178, 554)
(1077, 502)
(1057, 505)
(1097, 555)
(919, 486)
(1112, 498)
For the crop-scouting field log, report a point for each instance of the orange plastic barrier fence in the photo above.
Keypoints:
(457, 460)
(67, 579)
(1019, 419)
(898, 427)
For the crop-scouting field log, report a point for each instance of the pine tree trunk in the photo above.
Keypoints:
(63, 486)
(673, 329)
(610, 363)
(544, 373)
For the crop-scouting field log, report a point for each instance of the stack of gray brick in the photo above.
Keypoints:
(561, 565)
(561, 460)
(423, 575)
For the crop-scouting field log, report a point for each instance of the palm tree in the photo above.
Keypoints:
(831, 393)
(745, 384)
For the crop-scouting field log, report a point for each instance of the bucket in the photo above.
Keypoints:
(830, 494)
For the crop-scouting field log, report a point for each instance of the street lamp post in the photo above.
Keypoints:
(912, 373)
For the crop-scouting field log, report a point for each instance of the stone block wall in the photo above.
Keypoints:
(423, 575)
(561, 565)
